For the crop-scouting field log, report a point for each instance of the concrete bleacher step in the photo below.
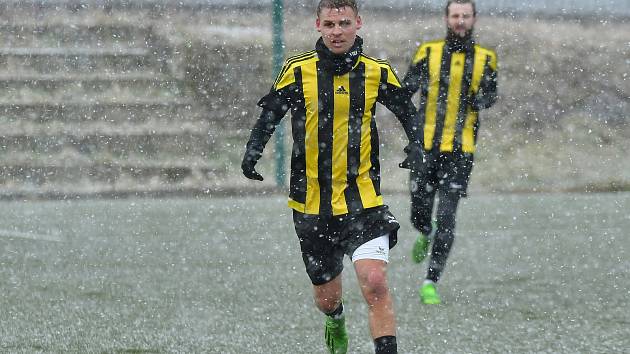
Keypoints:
(97, 81)
(119, 111)
(30, 60)
(74, 35)
(159, 144)
(102, 176)
(90, 88)
(164, 126)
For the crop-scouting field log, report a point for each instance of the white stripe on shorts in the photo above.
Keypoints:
(377, 248)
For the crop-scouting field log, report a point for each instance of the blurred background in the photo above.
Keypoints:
(154, 97)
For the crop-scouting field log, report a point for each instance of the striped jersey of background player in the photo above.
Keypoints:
(335, 191)
(456, 78)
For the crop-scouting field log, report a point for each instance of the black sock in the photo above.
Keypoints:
(433, 275)
(385, 345)
(338, 313)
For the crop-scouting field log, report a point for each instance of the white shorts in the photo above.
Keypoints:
(377, 248)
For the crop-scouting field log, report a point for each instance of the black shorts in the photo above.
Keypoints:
(324, 240)
(449, 172)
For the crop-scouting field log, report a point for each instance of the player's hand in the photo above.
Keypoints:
(415, 157)
(249, 171)
(475, 100)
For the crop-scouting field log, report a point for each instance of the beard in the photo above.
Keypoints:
(451, 35)
(457, 42)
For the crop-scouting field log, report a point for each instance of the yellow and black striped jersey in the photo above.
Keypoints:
(335, 164)
(454, 86)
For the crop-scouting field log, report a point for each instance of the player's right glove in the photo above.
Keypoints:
(415, 157)
(249, 162)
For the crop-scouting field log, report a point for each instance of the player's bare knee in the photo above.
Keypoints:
(375, 286)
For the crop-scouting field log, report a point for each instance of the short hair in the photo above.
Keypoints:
(449, 2)
(337, 4)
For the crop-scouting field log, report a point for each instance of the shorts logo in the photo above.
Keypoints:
(454, 185)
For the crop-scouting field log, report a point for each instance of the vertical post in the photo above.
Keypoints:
(278, 58)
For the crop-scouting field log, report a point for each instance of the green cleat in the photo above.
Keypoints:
(336, 336)
(421, 246)
(429, 294)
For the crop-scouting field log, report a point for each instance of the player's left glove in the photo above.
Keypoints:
(249, 162)
(415, 157)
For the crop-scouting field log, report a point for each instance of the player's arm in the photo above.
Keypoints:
(417, 74)
(396, 98)
(486, 96)
(274, 107)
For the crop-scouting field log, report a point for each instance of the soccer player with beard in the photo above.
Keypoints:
(456, 78)
(335, 192)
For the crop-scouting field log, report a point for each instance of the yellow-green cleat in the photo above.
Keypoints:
(429, 294)
(336, 336)
(421, 246)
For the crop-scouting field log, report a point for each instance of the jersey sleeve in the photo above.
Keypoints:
(279, 97)
(275, 105)
(487, 94)
(394, 96)
(417, 74)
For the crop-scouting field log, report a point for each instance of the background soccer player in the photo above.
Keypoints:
(335, 192)
(456, 78)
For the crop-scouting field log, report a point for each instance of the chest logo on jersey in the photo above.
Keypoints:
(341, 91)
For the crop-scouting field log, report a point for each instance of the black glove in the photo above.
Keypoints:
(474, 102)
(248, 164)
(415, 157)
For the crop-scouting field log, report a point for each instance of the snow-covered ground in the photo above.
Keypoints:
(536, 273)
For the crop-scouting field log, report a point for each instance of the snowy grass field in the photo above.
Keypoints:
(531, 273)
